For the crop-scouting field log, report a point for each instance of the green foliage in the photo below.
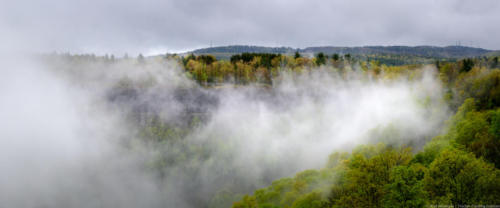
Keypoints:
(455, 168)
(349, 180)
(431, 150)
(320, 59)
(495, 124)
(206, 59)
(409, 52)
(246, 202)
(347, 56)
(458, 178)
(458, 167)
(466, 65)
(335, 159)
(335, 57)
(311, 200)
(479, 83)
(186, 59)
(265, 58)
(405, 188)
(476, 131)
(305, 189)
(297, 55)
(494, 63)
(367, 177)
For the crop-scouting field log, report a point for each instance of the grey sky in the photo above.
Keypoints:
(154, 26)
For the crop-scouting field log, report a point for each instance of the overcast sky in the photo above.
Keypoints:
(159, 26)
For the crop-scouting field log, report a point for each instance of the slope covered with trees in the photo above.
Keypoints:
(399, 55)
(456, 168)
(460, 166)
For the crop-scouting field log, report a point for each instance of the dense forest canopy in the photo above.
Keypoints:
(277, 130)
(249, 104)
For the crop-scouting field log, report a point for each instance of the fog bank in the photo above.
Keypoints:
(78, 134)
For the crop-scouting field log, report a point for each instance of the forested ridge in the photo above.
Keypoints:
(420, 53)
(459, 166)
(249, 104)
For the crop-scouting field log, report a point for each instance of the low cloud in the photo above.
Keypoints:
(72, 130)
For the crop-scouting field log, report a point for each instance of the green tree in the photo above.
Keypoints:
(477, 131)
(297, 55)
(367, 177)
(431, 150)
(458, 178)
(311, 200)
(320, 59)
(335, 57)
(466, 65)
(406, 187)
(347, 56)
(246, 202)
(494, 63)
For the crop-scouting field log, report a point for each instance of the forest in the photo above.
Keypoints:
(413, 52)
(249, 104)
(271, 130)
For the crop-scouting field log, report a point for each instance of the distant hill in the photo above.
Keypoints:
(244, 49)
(493, 53)
(423, 51)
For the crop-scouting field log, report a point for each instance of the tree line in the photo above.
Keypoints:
(457, 168)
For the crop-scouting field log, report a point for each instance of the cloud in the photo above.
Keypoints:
(71, 138)
(169, 26)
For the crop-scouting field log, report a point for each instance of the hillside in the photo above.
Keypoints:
(422, 51)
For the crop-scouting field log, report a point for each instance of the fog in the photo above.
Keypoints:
(73, 132)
